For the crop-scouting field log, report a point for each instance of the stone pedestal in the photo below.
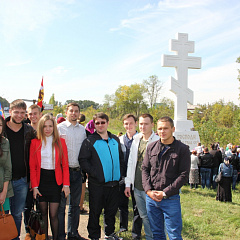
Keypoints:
(190, 138)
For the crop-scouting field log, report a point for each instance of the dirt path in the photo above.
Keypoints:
(82, 226)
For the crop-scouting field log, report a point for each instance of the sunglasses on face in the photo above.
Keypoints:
(98, 123)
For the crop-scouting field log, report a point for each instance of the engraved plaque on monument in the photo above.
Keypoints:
(179, 86)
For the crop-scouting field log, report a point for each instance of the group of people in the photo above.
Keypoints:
(48, 161)
(206, 165)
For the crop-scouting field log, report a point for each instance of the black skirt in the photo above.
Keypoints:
(224, 192)
(51, 192)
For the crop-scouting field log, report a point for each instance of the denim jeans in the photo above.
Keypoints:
(74, 209)
(234, 179)
(17, 202)
(205, 177)
(140, 197)
(168, 211)
(214, 174)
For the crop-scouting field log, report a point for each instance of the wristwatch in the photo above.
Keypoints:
(164, 196)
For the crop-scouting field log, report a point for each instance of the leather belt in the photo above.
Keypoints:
(76, 169)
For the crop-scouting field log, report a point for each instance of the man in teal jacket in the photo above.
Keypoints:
(101, 158)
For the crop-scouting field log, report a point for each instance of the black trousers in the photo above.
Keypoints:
(102, 197)
(123, 213)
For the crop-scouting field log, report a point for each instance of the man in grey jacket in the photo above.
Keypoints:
(165, 169)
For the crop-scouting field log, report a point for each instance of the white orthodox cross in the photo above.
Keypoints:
(181, 62)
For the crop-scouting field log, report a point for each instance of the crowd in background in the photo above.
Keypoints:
(206, 165)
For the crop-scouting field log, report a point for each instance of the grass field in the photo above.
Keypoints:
(203, 216)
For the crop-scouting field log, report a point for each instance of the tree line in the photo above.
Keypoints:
(216, 122)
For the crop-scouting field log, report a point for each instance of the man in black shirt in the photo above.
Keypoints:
(19, 135)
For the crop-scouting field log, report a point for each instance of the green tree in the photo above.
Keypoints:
(4, 102)
(153, 87)
(164, 108)
(52, 100)
(84, 104)
(130, 99)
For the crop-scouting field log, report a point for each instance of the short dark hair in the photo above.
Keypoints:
(72, 104)
(19, 103)
(205, 149)
(82, 117)
(166, 119)
(145, 115)
(100, 115)
(128, 116)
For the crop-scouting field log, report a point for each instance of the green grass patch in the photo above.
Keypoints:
(203, 217)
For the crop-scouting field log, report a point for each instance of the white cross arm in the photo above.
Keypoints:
(170, 60)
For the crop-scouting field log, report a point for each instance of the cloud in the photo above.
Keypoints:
(18, 19)
(60, 70)
(18, 63)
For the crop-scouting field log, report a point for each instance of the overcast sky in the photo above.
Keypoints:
(88, 48)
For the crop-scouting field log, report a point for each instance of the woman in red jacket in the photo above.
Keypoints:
(49, 171)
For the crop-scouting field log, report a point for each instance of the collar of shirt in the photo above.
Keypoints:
(68, 124)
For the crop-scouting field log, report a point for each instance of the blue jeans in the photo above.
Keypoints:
(205, 177)
(74, 209)
(234, 179)
(168, 211)
(214, 174)
(140, 197)
(17, 202)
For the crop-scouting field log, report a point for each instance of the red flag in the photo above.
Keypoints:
(41, 95)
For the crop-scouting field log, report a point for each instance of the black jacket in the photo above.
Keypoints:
(234, 160)
(29, 134)
(103, 161)
(170, 172)
(206, 160)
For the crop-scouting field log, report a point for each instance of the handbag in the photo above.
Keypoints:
(36, 223)
(218, 178)
(8, 229)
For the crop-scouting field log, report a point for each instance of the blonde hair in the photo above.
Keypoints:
(56, 139)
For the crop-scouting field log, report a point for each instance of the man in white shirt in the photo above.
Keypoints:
(134, 168)
(74, 134)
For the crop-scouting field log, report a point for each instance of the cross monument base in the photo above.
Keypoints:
(190, 138)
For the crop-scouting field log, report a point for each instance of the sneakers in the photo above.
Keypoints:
(122, 230)
(113, 236)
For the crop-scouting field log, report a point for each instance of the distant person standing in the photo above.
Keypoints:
(234, 161)
(224, 193)
(206, 163)
(165, 170)
(194, 173)
(74, 135)
(130, 124)
(217, 160)
(19, 135)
